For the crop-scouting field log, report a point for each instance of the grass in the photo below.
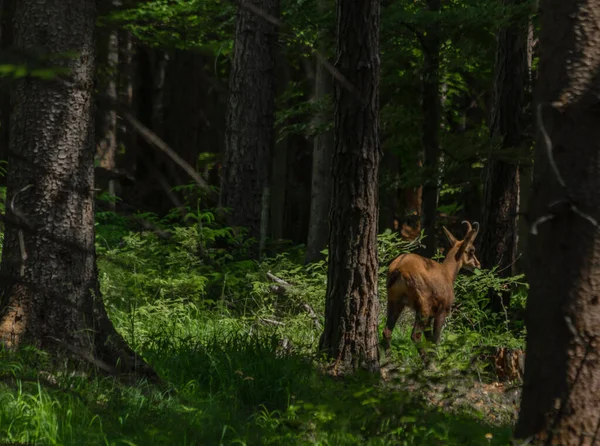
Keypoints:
(239, 366)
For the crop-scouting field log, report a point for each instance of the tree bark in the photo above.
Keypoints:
(561, 392)
(320, 200)
(250, 135)
(49, 287)
(431, 107)
(499, 229)
(352, 306)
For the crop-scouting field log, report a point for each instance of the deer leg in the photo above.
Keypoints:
(417, 334)
(429, 333)
(438, 324)
(394, 309)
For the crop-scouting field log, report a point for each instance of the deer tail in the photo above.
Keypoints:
(392, 278)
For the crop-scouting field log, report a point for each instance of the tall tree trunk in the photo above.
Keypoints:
(431, 106)
(499, 230)
(279, 170)
(320, 201)
(525, 169)
(7, 8)
(352, 304)
(125, 92)
(250, 134)
(49, 288)
(106, 117)
(391, 207)
(297, 199)
(561, 391)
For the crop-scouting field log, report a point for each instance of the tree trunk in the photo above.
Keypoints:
(297, 198)
(391, 207)
(49, 287)
(7, 8)
(279, 171)
(431, 106)
(320, 201)
(350, 336)
(106, 127)
(561, 391)
(250, 135)
(525, 169)
(499, 229)
(125, 91)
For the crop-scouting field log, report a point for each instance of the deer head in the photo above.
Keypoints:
(463, 251)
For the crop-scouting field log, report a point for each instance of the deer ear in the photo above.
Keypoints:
(471, 234)
(449, 236)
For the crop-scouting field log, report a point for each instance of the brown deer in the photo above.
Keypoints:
(427, 287)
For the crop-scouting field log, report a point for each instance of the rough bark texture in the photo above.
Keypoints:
(499, 229)
(249, 135)
(431, 106)
(320, 200)
(352, 305)
(49, 291)
(561, 392)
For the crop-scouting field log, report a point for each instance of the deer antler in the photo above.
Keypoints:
(476, 224)
(469, 228)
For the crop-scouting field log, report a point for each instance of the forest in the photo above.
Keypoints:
(329, 222)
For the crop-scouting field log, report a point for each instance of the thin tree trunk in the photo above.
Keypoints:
(391, 207)
(250, 135)
(125, 91)
(499, 229)
(525, 170)
(350, 335)
(49, 288)
(106, 127)
(431, 106)
(561, 391)
(7, 8)
(280, 158)
(318, 229)
(410, 228)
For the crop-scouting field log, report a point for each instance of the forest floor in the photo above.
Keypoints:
(496, 402)
(237, 356)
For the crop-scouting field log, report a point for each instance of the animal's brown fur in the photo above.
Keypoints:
(427, 287)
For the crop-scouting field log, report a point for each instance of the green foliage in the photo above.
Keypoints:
(181, 24)
(239, 358)
(36, 63)
(237, 351)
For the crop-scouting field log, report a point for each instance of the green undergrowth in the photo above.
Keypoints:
(237, 354)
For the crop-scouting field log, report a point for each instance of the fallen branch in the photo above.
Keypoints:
(282, 287)
(276, 279)
(271, 321)
(313, 315)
